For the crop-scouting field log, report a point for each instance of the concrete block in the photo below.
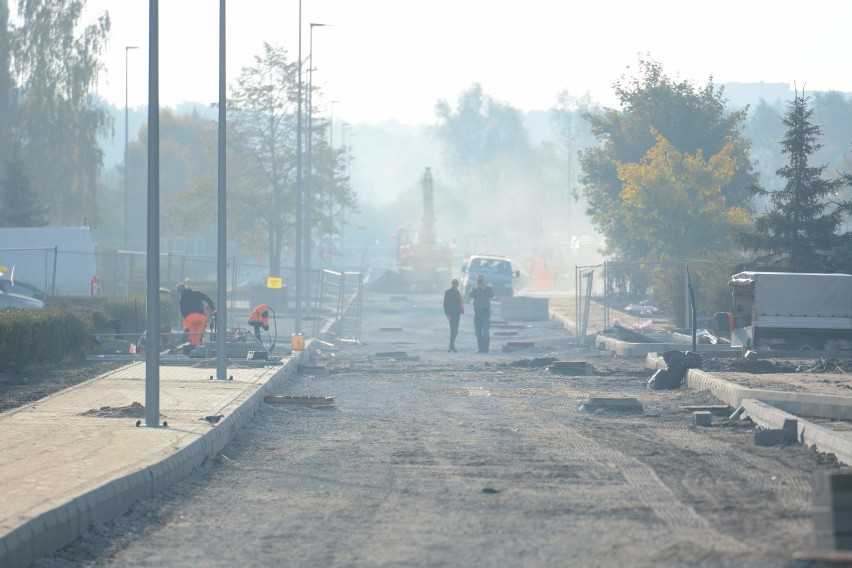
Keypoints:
(773, 437)
(792, 428)
(523, 308)
(702, 418)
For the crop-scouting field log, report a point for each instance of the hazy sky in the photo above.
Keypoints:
(392, 59)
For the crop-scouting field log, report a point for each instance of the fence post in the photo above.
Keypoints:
(606, 294)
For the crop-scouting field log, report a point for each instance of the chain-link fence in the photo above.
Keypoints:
(54, 273)
(638, 292)
(124, 274)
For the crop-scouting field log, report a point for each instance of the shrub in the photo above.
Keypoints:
(52, 335)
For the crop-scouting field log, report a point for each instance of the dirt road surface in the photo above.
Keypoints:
(438, 459)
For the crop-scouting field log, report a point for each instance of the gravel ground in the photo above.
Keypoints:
(437, 459)
(27, 386)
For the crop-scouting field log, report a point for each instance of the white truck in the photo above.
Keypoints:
(792, 311)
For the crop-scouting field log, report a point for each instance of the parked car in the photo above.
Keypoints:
(19, 302)
(23, 289)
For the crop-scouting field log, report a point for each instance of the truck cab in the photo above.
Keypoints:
(497, 271)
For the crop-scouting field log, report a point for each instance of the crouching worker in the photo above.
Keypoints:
(259, 318)
(195, 307)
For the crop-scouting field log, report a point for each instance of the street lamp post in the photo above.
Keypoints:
(297, 319)
(309, 178)
(127, 48)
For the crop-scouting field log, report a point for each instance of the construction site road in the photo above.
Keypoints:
(430, 458)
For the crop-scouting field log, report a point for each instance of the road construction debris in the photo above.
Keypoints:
(702, 418)
(571, 368)
(134, 410)
(517, 346)
(317, 370)
(612, 404)
(677, 364)
(537, 363)
(784, 436)
(391, 355)
(312, 401)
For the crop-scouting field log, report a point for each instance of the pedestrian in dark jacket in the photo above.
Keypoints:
(453, 309)
(481, 295)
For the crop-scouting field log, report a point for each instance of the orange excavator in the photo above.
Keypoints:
(424, 263)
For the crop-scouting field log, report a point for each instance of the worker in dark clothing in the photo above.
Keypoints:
(259, 318)
(453, 309)
(195, 309)
(481, 294)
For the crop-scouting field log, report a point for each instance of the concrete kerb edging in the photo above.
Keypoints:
(825, 439)
(60, 526)
(769, 409)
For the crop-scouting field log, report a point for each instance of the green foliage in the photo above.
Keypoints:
(188, 161)
(262, 164)
(57, 63)
(801, 232)
(19, 205)
(709, 284)
(480, 134)
(125, 315)
(691, 119)
(29, 337)
(669, 193)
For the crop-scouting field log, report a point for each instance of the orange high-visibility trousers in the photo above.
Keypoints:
(195, 324)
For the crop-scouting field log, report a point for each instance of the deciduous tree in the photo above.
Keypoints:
(19, 206)
(688, 117)
(677, 209)
(57, 69)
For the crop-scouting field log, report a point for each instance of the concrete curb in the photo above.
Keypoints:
(801, 404)
(769, 409)
(63, 524)
(825, 439)
(627, 349)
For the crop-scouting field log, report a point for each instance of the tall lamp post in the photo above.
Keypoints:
(127, 48)
(309, 201)
(297, 319)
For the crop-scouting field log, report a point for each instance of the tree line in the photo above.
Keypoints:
(673, 173)
(669, 175)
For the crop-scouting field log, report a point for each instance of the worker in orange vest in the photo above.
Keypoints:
(259, 317)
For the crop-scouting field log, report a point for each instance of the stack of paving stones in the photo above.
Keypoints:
(832, 509)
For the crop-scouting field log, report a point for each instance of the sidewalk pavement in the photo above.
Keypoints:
(66, 462)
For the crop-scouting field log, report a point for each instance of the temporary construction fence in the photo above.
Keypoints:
(124, 274)
(51, 271)
(647, 291)
(339, 298)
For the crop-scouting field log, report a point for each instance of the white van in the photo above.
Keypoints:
(497, 271)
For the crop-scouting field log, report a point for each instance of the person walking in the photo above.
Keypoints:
(481, 294)
(453, 309)
(195, 308)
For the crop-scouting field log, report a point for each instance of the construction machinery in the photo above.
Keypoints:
(424, 263)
